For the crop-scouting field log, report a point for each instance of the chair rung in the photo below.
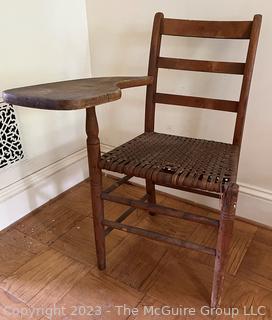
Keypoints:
(124, 215)
(197, 102)
(201, 65)
(159, 237)
(161, 209)
(117, 184)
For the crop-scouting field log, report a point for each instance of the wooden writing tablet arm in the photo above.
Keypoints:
(73, 94)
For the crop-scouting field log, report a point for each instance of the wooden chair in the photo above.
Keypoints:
(205, 167)
(193, 165)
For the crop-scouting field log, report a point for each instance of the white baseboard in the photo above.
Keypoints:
(29, 193)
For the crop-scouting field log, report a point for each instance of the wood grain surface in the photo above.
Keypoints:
(73, 94)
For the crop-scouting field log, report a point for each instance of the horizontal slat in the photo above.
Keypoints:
(161, 209)
(160, 237)
(117, 184)
(201, 65)
(125, 215)
(207, 29)
(196, 102)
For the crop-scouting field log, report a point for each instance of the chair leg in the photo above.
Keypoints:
(93, 147)
(151, 193)
(223, 242)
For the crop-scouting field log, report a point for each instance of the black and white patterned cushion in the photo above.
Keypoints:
(10, 144)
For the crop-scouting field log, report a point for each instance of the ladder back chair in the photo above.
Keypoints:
(195, 165)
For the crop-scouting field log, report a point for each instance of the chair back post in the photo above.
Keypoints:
(153, 71)
(242, 106)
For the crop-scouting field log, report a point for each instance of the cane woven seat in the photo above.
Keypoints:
(175, 161)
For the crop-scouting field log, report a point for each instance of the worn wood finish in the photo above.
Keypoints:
(246, 295)
(197, 102)
(151, 193)
(207, 29)
(207, 236)
(201, 65)
(48, 277)
(227, 215)
(160, 209)
(98, 290)
(159, 237)
(73, 94)
(134, 260)
(153, 72)
(211, 29)
(78, 200)
(9, 305)
(117, 184)
(57, 220)
(93, 147)
(195, 165)
(153, 269)
(252, 50)
(178, 228)
(124, 215)
(16, 249)
(130, 158)
(179, 281)
(78, 243)
(256, 264)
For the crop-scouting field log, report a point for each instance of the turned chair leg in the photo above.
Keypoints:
(93, 147)
(151, 193)
(223, 242)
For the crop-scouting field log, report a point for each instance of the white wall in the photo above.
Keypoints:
(42, 41)
(120, 35)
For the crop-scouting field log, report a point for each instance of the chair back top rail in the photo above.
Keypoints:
(207, 29)
(242, 30)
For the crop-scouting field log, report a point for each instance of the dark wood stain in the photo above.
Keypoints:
(73, 94)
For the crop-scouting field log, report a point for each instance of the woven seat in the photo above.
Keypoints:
(179, 161)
